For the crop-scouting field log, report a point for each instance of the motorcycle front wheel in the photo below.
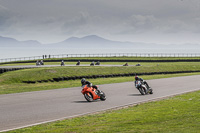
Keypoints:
(102, 96)
(88, 97)
(142, 91)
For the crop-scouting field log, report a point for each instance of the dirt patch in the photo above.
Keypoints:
(51, 71)
(1, 80)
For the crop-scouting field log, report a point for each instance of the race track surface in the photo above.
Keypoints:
(34, 66)
(32, 108)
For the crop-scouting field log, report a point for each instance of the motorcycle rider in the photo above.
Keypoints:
(143, 81)
(78, 63)
(84, 82)
(62, 63)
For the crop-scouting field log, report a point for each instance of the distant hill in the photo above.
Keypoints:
(11, 42)
(6, 41)
(91, 41)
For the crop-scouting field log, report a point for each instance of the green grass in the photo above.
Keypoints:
(103, 63)
(124, 58)
(73, 63)
(179, 114)
(46, 63)
(7, 88)
(11, 82)
(104, 58)
(55, 72)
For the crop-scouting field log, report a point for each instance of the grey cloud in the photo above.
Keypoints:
(76, 24)
(5, 17)
(65, 18)
(3, 14)
(86, 22)
(141, 23)
(197, 27)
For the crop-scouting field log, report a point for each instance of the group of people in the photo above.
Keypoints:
(46, 56)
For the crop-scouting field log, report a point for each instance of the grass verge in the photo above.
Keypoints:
(58, 60)
(47, 73)
(102, 63)
(22, 87)
(179, 114)
(12, 82)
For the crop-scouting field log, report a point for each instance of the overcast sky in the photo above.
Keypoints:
(155, 21)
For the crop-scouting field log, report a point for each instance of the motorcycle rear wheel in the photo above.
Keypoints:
(151, 91)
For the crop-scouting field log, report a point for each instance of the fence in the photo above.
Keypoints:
(102, 55)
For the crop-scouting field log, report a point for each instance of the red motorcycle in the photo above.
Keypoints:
(91, 93)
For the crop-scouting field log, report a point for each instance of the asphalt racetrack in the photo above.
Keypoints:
(34, 66)
(32, 108)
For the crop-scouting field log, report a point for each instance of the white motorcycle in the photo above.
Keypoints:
(143, 89)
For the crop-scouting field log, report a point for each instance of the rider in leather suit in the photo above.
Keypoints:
(143, 81)
(84, 82)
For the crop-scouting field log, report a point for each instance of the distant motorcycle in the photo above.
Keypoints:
(78, 63)
(62, 64)
(97, 63)
(91, 93)
(92, 64)
(126, 64)
(143, 89)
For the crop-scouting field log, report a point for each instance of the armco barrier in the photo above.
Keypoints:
(106, 76)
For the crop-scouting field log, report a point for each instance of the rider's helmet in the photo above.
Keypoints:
(83, 80)
(136, 77)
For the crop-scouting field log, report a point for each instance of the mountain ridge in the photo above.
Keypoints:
(11, 42)
(90, 41)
